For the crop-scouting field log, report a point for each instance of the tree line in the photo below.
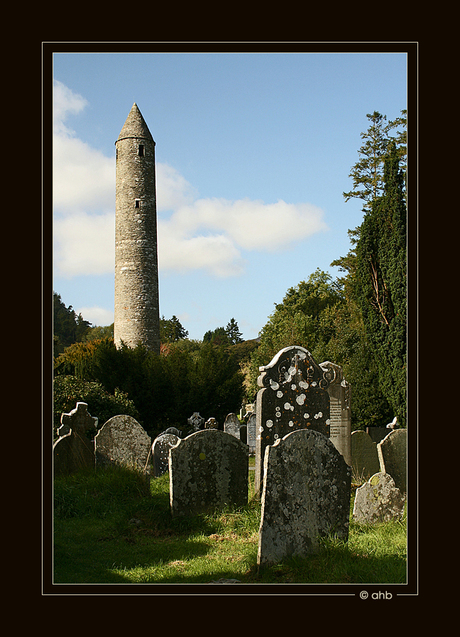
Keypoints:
(357, 320)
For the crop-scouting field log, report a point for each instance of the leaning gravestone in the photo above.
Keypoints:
(73, 449)
(306, 496)
(232, 425)
(207, 470)
(378, 500)
(123, 441)
(160, 453)
(339, 398)
(364, 457)
(293, 396)
(392, 452)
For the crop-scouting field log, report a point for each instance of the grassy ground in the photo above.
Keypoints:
(114, 526)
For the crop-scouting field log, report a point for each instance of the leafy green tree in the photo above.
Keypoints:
(380, 283)
(298, 320)
(67, 325)
(171, 330)
(233, 332)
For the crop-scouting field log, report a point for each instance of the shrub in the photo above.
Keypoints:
(68, 390)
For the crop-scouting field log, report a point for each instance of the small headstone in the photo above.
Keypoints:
(293, 396)
(211, 423)
(232, 425)
(207, 470)
(392, 452)
(196, 421)
(378, 500)
(339, 397)
(73, 449)
(160, 453)
(251, 433)
(123, 441)
(364, 457)
(306, 496)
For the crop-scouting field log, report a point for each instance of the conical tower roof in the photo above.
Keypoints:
(135, 126)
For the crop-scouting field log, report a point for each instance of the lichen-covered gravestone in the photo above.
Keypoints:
(160, 452)
(232, 425)
(123, 441)
(293, 396)
(364, 456)
(207, 470)
(392, 452)
(73, 449)
(378, 500)
(306, 496)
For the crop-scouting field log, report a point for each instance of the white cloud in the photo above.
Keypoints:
(252, 225)
(84, 244)
(199, 234)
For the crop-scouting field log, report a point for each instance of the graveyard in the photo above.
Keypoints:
(288, 495)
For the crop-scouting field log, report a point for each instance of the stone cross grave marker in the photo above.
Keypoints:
(160, 452)
(123, 441)
(306, 496)
(196, 421)
(232, 425)
(364, 457)
(73, 450)
(378, 500)
(339, 400)
(392, 453)
(293, 396)
(207, 470)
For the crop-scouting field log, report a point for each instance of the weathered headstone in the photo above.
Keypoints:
(339, 398)
(207, 470)
(196, 421)
(232, 425)
(73, 449)
(211, 423)
(378, 500)
(251, 433)
(392, 453)
(306, 496)
(364, 457)
(123, 441)
(293, 396)
(160, 452)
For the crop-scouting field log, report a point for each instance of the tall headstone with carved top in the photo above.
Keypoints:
(339, 397)
(293, 396)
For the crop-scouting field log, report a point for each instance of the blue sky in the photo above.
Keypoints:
(253, 152)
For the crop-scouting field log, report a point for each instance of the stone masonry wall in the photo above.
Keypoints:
(136, 261)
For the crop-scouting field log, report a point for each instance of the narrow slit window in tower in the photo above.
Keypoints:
(137, 203)
(141, 150)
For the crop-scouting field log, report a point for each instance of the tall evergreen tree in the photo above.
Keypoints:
(380, 282)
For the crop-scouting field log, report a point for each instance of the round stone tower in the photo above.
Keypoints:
(136, 261)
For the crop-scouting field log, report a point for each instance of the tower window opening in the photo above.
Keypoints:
(141, 150)
(137, 203)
